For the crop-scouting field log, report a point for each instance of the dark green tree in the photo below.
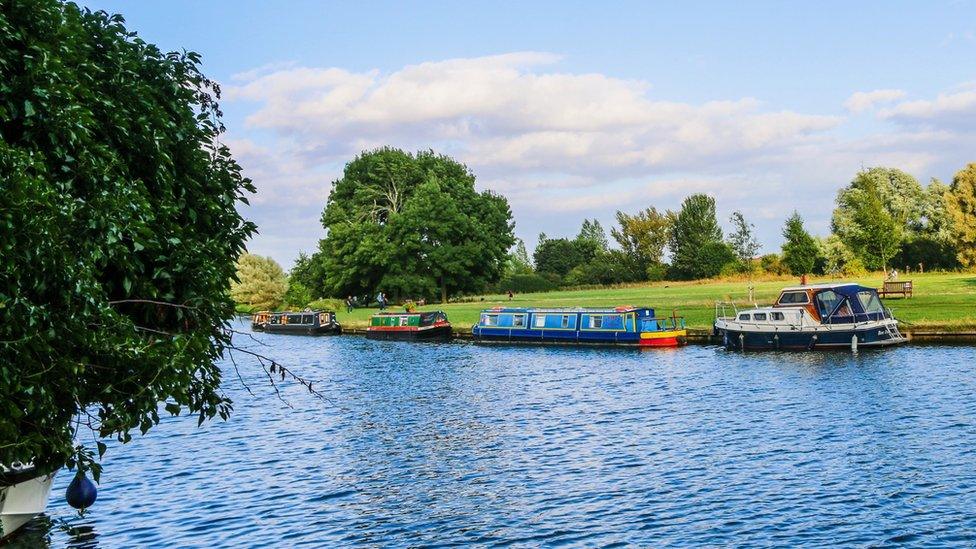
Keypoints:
(307, 271)
(118, 210)
(696, 239)
(558, 256)
(800, 250)
(412, 225)
(642, 237)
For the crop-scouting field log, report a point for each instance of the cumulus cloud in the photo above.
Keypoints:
(862, 101)
(564, 145)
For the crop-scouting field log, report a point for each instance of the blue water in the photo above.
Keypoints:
(437, 444)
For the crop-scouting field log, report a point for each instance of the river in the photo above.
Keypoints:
(430, 444)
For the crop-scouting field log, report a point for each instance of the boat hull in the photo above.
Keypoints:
(808, 340)
(411, 333)
(671, 338)
(21, 501)
(331, 329)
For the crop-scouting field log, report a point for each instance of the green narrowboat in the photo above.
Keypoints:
(417, 326)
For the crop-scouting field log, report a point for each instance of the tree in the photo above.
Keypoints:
(961, 212)
(518, 260)
(118, 208)
(929, 242)
(412, 225)
(800, 250)
(558, 256)
(874, 212)
(742, 240)
(593, 232)
(642, 237)
(307, 273)
(261, 283)
(694, 239)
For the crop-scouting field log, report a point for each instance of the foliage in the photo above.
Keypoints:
(800, 250)
(838, 259)
(327, 304)
(297, 296)
(518, 261)
(611, 267)
(643, 237)
(558, 256)
(526, 283)
(260, 282)
(593, 232)
(410, 225)
(961, 212)
(695, 239)
(118, 208)
(773, 264)
(743, 239)
(874, 212)
(307, 272)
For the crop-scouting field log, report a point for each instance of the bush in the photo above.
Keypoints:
(297, 296)
(773, 264)
(327, 304)
(657, 272)
(527, 283)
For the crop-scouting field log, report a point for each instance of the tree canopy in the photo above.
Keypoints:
(695, 241)
(412, 225)
(118, 206)
(642, 237)
(261, 283)
(961, 213)
(800, 250)
(743, 239)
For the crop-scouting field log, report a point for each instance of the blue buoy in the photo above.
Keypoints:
(81, 493)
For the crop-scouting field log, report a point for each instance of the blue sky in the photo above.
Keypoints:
(577, 110)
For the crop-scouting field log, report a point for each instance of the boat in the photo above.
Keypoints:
(626, 326)
(415, 326)
(809, 317)
(24, 493)
(302, 323)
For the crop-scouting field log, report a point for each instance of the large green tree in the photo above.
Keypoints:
(743, 239)
(800, 250)
(642, 237)
(118, 209)
(412, 225)
(695, 241)
(875, 212)
(261, 283)
(961, 209)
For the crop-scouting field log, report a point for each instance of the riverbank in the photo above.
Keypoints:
(944, 304)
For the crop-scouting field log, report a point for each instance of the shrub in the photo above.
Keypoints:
(327, 304)
(527, 283)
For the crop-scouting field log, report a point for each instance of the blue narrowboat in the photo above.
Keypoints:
(628, 326)
(821, 316)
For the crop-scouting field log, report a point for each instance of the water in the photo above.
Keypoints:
(430, 444)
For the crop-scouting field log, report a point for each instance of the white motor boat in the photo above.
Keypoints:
(23, 495)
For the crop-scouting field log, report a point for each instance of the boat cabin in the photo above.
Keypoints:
(620, 325)
(316, 322)
(833, 303)
(409, 326)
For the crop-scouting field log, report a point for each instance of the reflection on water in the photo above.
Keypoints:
(453, 443)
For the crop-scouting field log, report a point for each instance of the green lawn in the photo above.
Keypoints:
(942, 300)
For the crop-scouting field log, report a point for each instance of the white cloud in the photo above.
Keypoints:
(948, 110)
(862, 101)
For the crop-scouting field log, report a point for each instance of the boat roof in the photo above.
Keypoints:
(620, 309)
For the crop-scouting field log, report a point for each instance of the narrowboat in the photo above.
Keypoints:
(426, 326)
(626, 326)
(24, 493)
(302, 323)
(809, 317)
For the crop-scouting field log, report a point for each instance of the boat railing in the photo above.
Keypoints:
(672, 322)
(722, 309)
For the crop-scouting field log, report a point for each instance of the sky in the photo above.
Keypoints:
(576, 110)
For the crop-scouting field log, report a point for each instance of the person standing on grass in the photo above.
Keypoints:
(349, 304)
(510, 295)
(381, 300)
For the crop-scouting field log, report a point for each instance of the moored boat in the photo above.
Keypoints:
(427, 326)
(24, 493)
(300, 322)
(820, 316)
(627, 326)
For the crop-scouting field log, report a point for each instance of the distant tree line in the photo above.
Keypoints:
(413, 226)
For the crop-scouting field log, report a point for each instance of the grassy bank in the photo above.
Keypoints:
(943, 301)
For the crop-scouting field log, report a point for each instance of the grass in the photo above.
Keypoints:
(943, 301)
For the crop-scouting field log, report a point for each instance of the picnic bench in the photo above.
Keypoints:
(902, 288)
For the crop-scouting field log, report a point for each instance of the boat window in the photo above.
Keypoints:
(275, 319)
(759, 316)
(540, 321)
(307, 319)
(778, 316)
(518, 321)
(489, 320)
(404, 320)
(744, 316)
(870, 302)
(565, 322)
(827, 300)
(793, 298)
(613, 322)
(596, 321)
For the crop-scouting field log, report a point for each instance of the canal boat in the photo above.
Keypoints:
(301, 323)
(626, 326)
(416, 326)
(808, 317)
(24, 493)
